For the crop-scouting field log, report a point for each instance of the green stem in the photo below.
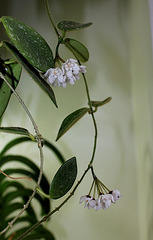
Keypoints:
(90, 106)
(93, 118)
(42, 193)
(50, 18)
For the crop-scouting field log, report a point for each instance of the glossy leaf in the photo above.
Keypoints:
(12, 73)
(78, 49)
(63, 179)
(17, 130)
(70, 120)
(100, 103)
(71, 25)
(31, 71)
(29, 43)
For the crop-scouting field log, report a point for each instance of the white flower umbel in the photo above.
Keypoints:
(89, 201)
(68, 73)
(72, 70)
(104, 195)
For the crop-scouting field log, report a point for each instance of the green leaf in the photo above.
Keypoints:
(12, 73)
(31, 71)
(29, 43)
(48, 144)
(100, 103)
(70, 120)
(78, 49)
(17, 130)
(71, 25)
(63, 179)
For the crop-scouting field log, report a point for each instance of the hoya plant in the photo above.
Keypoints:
(49, 69)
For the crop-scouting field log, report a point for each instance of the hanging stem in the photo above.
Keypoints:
(50, 18)
(90, 106)
(40, 141)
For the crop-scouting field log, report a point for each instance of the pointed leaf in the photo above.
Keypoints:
(12, 73)
(31, 71)
(29, 43)
(17, 130)
(63, 179)
(71, 25)
(70, 120)
(100, 103)
(78, 49)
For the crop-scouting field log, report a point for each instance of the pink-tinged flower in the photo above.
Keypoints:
(69, 73)
(72, 70)
(116, 195)
(54, 76)
(97, 206)
(104, 201)
(89, 201)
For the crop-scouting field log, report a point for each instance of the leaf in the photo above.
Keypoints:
(71, 25)
(70, 120)
(31, 71)
(12, 73)
(78, 49)
(63, 179)
(48, 144)
(29, 43)
(100, 103)
(17, 130)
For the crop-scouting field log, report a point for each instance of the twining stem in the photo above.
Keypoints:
(39, 140)
(45, 218)
(50, 18)
(93, 118)
(90, 105)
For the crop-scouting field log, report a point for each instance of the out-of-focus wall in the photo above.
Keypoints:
(120, 66)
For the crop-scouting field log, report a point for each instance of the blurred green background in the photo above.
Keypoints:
(120, 66)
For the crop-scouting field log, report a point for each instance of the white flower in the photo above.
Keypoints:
(72, 70)
(97, 205)
(104, 201)
(116, 195)
(55, 76)
(69, 73)
(89, 201)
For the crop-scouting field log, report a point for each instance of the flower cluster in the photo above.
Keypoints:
(105, 196)
(68, 73)
(104, 201)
